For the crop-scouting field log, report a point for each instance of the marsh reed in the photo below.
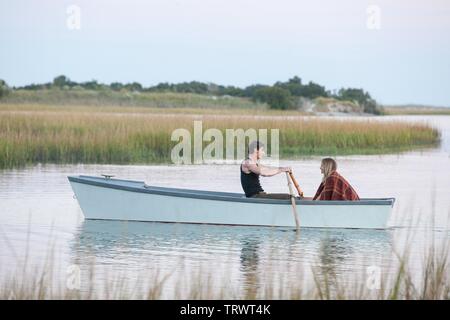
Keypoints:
(39, 134)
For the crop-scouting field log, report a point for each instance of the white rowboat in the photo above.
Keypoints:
(115, 199)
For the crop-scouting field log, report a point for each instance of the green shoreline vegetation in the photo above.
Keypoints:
(114, 135)
(290, 95)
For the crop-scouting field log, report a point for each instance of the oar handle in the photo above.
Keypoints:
(297, 186)
(294, 206)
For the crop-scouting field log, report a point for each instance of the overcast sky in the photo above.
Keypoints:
(398, 50)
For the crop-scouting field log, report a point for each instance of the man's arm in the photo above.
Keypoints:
(266, 171)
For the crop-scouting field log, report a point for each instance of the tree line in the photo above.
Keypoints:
(281, 95)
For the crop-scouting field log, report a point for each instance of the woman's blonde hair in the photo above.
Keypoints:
(329, 166)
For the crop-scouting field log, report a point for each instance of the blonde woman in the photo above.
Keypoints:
(334, 186)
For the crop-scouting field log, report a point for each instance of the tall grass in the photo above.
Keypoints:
(120, 135)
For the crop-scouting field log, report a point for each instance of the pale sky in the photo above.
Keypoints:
(235, 42)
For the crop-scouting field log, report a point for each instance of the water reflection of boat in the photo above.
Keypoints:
(115, 199)
(249, 255)
(248, 258)
(249, 262)
(108, 238)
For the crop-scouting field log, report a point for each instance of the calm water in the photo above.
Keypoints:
(42, 226)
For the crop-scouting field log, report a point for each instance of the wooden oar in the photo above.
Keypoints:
(294, 205)
(297, 186)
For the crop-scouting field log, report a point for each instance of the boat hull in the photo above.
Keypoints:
(113, 199)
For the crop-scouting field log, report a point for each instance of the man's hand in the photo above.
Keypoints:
(285, 169)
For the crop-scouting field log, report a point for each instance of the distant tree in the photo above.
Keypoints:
(60, 81)
(116, 86)
(90, 85)
(296, 88)
(295, 80)
(191, 87)
(363, 98)
(275, 97)
(233, 91)
(353, 94)
(34, 86)
(293, 85)
(163, 86)
(313, 90)
(4, 89)
(134, 86)
(250, 91)
(213, 88)
(71, 84)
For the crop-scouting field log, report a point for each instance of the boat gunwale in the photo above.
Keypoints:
(213, 195)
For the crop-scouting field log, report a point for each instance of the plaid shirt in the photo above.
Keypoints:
(335, 187)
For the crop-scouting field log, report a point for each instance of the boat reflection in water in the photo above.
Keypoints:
(241, 257)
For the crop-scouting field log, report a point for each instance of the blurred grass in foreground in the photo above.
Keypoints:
(396, 282)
